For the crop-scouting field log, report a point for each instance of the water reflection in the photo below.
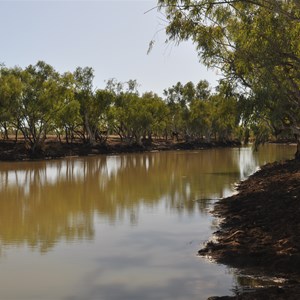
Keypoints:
(42, 203)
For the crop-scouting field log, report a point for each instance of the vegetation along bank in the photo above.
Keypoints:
(38, 104)
(256, 46)
(46, 114)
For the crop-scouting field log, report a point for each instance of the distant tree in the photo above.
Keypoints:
(40, 101)
(124, 112)
(68, 119)
(200, 121)
(181, 100)
(101, 103)
(154, 115)
(35, 101)
(178, 98)
(10, 94)
(225, 115)
(84, 95)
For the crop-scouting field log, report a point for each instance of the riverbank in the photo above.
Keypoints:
(260, 230)
(17, 151)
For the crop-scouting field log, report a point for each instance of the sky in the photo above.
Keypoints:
(112, 37)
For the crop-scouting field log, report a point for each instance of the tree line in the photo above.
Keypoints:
(255, 44)
(37, 101)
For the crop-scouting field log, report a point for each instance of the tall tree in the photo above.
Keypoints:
(33, 99)
(255, 43)
(40, 101)
(68, 119)
(10, 94)
(180, 100)
(84, 94)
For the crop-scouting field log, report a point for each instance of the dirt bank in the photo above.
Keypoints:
(16, 151)
(260, 230)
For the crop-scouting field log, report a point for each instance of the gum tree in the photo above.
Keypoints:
(255, 44)
(84, 95)
(68, 119)
(10, 94)
(41, 99)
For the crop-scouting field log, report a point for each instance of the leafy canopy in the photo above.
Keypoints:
(256, 45)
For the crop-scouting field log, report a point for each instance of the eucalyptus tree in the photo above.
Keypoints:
(254, 43)
(126, 113)
(37, 100)
(130, 117)
(68, 119)
(10, 93)
(41, 98)
(133, 117)
(100, 106)
(225, 115)
(200, 121)
(178, 98)
(181, 101)
(143, 116)
(214, 114)
(84, 95)
(154, 115)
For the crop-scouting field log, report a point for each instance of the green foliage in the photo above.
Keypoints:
(10, 92)
(38, 100)
(181, 102)
(257, 47)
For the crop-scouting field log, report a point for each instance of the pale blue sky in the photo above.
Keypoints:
(112, 37)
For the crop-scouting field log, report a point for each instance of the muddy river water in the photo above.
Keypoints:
(118, 227)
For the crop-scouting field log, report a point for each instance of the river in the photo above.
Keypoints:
(121, 227)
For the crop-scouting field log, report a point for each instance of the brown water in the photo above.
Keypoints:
(117, 227)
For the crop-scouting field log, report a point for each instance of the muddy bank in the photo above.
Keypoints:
(260, 230)
(17, 151)
(278, 293)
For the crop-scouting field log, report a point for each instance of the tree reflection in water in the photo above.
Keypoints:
(44, 202)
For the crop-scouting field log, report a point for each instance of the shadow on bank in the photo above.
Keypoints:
(17, 151)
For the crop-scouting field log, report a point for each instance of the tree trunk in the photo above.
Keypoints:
(67, 135)
(16, 135)
(296, 131)
(5, 131)
(297, 154)
(91, 136)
